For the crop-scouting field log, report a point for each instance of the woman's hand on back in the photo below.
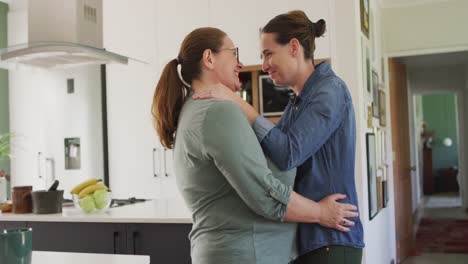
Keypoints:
(334, 214)
(219, 92)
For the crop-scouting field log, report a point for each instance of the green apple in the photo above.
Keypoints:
(100, 198)
(87, 204)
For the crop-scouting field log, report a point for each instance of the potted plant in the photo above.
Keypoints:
(4, 154)
(5, 145)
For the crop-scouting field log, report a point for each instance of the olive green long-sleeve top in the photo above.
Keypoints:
(237, 198)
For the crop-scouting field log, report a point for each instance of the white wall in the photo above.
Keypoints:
(419, 29)
(75, 115)
(441, 79)
(42, 115)
(380, 231)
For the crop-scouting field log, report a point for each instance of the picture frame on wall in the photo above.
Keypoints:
(372, 175)
(369, 116)
(378, 149)
(385, 193)
(380, 198)
(368, 74)
(273, 98)
(365, 10)
(375, 94)
(382, 109)
(383, 148)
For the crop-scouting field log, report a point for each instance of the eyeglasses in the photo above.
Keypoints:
(236, 52)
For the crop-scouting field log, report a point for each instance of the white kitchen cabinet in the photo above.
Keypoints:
(239, 20)
(175, 20)
(27, 125)
(129, 28)
(131, 137)
(139, 165)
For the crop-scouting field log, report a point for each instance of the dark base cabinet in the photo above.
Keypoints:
(12, 225)
(105, 238)
(164, 243)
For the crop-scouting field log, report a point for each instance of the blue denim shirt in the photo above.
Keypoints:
(317, 134)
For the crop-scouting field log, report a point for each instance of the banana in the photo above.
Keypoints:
(91, 189)
(78, 188)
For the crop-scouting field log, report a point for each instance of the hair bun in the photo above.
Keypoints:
(320, 28)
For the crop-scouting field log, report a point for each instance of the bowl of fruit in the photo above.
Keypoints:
(91, 196)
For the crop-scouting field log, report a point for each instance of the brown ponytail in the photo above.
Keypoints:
(296, 24)
(170, 93)
(168, 99)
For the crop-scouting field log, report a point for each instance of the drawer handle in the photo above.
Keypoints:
(116, 235)
(135, 235)
(165, 167)
(154, 163)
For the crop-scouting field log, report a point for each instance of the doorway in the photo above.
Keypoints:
(429, 143)
(436, 141)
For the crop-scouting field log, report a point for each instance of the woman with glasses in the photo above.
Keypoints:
(237, 199)
(316, 133)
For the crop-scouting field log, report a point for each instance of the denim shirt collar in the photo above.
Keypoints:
(321, 70)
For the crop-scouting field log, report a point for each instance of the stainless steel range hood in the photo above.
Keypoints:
(53, 55)
(61, 34)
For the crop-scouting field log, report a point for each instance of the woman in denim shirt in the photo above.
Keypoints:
(238, 202)
(316, 133)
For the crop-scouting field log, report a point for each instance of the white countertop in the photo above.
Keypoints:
(152, 211)
(50, 257)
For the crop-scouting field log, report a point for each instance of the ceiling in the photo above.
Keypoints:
(440, 59)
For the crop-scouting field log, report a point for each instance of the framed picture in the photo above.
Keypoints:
(363, 58)
(380, 198)
(385, 193)
(368, 74)
(378, 149)
(382, 109)
(364, 7)
(371, 175)
(375, 94)
(273, 98)
(383, 148)
(369, 116)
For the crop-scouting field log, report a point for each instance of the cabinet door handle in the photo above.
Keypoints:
(165, 167)
(154, 163)
(135, 235)
(115, 237)
(39, 154)
(51, 162)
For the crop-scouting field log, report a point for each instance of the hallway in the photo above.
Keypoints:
(440, 206)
